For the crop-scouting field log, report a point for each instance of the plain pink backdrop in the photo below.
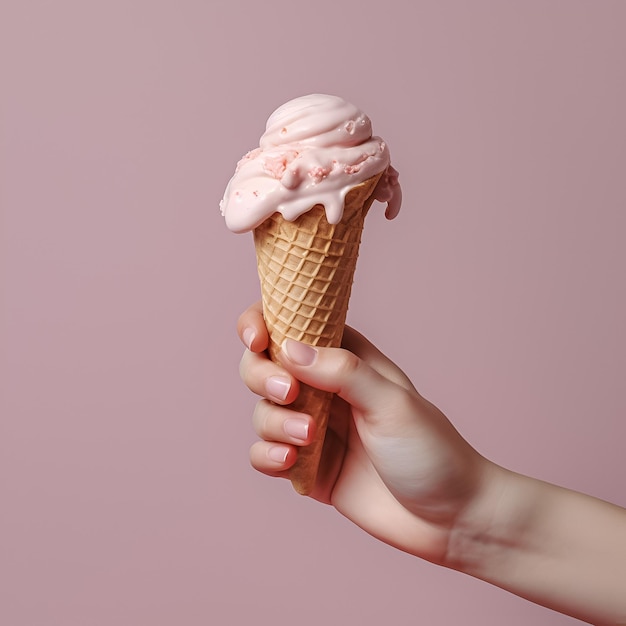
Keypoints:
(126, 496)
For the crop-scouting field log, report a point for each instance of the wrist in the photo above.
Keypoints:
(553, 546)
(494, 525)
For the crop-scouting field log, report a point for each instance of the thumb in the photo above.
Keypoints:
(343, 373)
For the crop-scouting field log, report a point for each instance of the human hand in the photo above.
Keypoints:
(392, 462)
(395, 466)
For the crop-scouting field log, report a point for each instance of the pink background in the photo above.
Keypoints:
(126, 496)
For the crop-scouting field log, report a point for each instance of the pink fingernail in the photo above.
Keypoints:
(299, 353)
(277, 387)
(297, 428)
(278, 453)
(248, 337)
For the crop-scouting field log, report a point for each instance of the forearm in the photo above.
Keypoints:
(556, 547)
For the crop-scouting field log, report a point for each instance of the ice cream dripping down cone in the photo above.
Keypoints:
(306, 270)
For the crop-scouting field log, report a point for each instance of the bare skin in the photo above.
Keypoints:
(395, 466)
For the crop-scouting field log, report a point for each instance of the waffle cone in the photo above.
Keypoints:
(306, 268)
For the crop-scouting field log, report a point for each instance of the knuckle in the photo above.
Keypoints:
(262, 416)
(256, 456)
(259, 410)
(347, 364)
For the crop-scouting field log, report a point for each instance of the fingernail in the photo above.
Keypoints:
(278, 453)
(248, 337)
(277, 387)
(297, 428)
(299, 353)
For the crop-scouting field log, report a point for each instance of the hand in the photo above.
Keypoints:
(392, 462)
(395, 466)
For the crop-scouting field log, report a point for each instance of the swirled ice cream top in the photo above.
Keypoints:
(314, 150)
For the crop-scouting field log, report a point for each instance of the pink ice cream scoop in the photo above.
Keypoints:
(314, 150)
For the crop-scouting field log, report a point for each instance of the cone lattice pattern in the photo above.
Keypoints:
(306, 268)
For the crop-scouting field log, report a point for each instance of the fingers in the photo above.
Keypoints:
(279, 386)
(277, 423)
(251, 328)
(359, 374)
(281, 430)
(267, 379)
(261, 375)
(253, 333)
(343, 373)
(271, 458)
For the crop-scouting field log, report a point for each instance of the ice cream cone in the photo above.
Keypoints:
(305, 192)
(306, 269)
